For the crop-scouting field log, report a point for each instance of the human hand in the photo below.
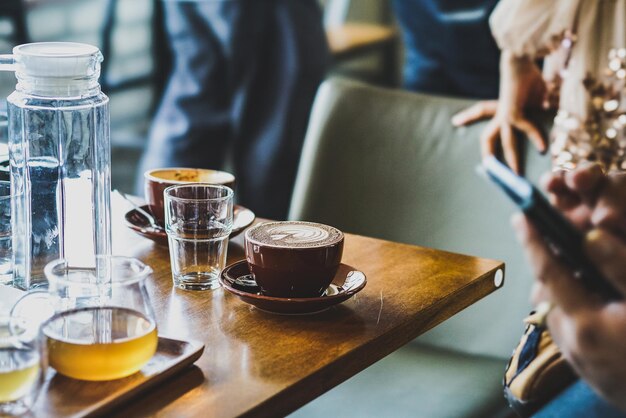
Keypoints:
(521, 87)
(591, 333)
(589, 198)
(484, 109)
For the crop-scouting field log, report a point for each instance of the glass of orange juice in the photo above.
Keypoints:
(22, 365)
(102, 325)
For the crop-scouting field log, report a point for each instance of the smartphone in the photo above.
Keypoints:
(565, 240)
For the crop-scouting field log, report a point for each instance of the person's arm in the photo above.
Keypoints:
(590, 332)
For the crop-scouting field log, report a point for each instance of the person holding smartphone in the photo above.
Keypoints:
(590, 332)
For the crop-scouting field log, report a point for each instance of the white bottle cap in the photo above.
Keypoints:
(57, 68)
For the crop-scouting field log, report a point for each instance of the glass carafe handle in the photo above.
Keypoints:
(7, 62)
(35, 305)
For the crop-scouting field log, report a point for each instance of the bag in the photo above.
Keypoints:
(537, 371)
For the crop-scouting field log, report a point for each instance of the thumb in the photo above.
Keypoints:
(608, 253)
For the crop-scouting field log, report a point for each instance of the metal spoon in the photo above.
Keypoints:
(148, 216)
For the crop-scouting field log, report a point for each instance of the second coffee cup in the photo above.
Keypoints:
(157, 180)
(293, 259)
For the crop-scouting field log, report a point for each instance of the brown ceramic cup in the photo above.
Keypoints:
(157, 180)
(293, 259)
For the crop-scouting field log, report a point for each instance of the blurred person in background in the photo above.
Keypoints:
(590, 332)
(244, 77)
(583, 47)
(449, 47)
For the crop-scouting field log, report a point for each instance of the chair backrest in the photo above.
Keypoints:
(389, 164)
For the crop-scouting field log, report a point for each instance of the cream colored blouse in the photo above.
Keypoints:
(536, 28)
(547, 28)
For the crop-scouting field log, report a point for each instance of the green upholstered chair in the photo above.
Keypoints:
(389, 164)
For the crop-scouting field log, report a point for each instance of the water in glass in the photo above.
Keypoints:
(6, 244)
(59, 151)
(198, 260)
(198, 221)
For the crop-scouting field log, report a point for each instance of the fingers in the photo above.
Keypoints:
(560, 284)
(609, 254)
(565, 200)
(554, 182)
(489, 138)
(489, 143)
(509, 147)
(481, 110)
(561, 196)
(610, 215)
(586, 181)
(609, 212)
(533, 133)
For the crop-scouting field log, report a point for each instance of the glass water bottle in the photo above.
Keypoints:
(60, 158)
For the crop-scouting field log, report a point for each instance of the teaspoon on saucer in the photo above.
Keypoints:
(145, 214)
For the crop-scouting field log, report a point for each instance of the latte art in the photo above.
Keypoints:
(294, 234)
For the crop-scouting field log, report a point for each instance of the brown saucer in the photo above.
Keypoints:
(236, 278)
(242, 218)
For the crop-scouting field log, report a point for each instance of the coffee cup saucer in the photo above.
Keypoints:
(242, 218)
(236, 279)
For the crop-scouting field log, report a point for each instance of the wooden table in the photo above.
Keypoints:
(260, 364)
(350, 39)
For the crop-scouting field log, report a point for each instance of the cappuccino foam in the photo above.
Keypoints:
(294, 234)
(191, 175)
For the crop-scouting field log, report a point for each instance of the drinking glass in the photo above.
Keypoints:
(22, 365)
(101, 325)
(6, 244)
(198, 221)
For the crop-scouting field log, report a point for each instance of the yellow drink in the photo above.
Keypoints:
(100, 343)
(15, 384)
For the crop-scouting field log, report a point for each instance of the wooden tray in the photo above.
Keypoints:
(65, 397)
